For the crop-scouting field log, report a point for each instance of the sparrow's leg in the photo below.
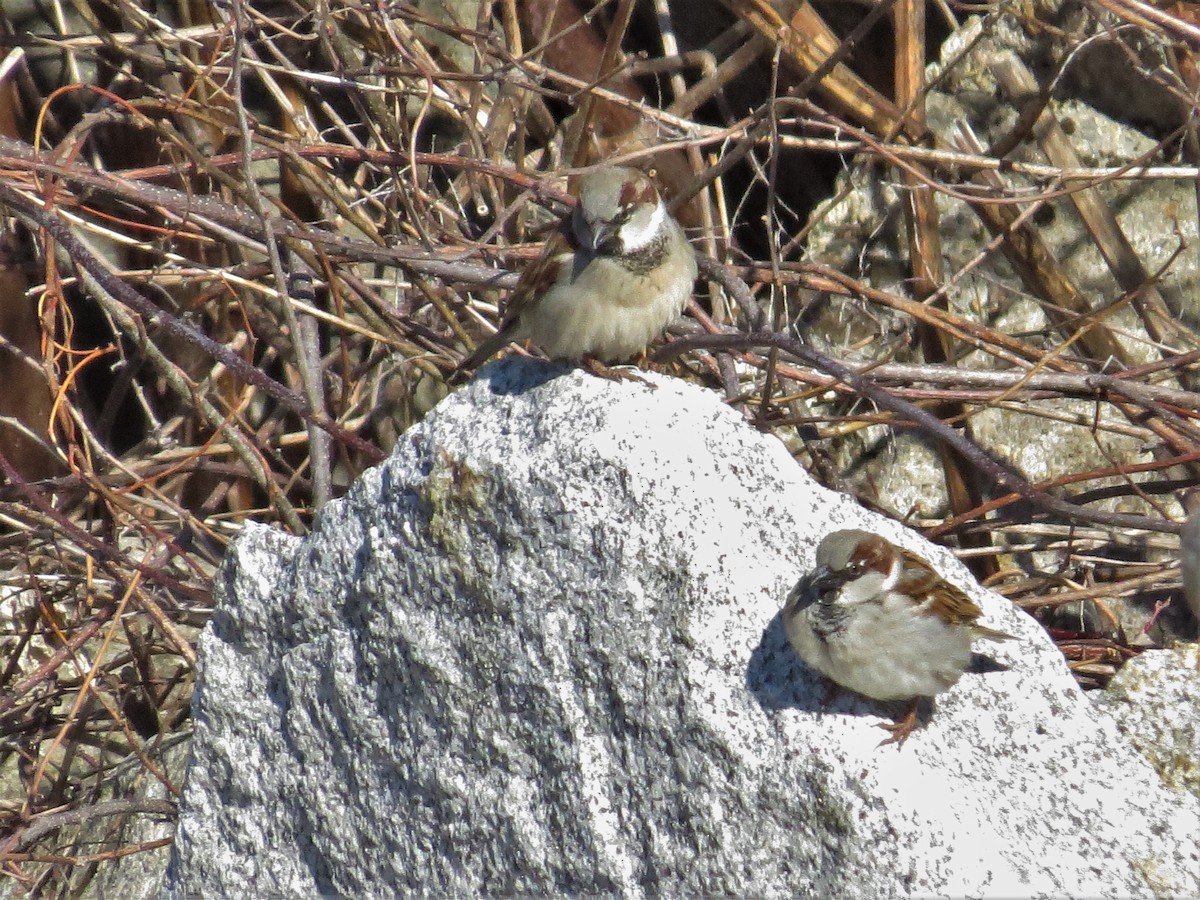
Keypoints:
(901, 729)
(600, 370)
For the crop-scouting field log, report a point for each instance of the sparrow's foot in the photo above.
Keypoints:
(610, 373)
(900, 730)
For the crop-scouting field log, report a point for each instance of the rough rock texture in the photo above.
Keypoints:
(1153, 699)
(538, 650)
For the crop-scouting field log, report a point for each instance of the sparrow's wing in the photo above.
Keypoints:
(536, 279)
(918, 579)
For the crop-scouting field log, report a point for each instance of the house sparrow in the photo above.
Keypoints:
(878, 620)
(607, 284)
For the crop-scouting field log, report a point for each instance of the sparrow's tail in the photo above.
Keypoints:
(990, 633)
(479, 356)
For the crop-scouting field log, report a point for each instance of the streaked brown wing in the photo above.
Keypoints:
(538, 277)
(535, 280)
(918, 578)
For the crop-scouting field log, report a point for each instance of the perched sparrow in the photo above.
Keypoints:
(607, 285)
(878, 620)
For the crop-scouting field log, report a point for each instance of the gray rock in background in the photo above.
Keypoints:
(137, 876)
(538, 651)
(860, 231)
(1153, 699)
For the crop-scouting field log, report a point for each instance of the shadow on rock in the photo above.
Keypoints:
(516, 375)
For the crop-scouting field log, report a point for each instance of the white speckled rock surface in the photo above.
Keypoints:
(538, 651)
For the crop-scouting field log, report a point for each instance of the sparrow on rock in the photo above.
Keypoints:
(607, 282)
(880, 621)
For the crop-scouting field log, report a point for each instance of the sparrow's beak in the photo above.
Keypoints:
(821, 580)
(594, 236)
(606, 238)
(809, 589)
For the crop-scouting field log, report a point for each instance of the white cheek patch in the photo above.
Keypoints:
(893, 576)
(634, 238)
(864, 589)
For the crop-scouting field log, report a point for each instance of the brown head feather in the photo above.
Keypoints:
(873, 552)
(634, 192)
